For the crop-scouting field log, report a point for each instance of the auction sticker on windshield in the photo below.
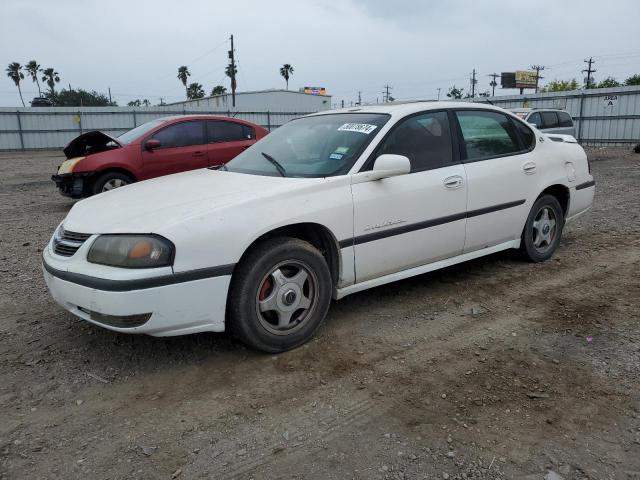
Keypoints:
(358, 127)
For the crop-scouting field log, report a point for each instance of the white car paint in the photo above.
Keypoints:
(212, 218)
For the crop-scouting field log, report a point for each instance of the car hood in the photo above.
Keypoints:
(153, 206)
(88, 143)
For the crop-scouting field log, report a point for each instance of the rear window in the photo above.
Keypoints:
(549, 119)
(565, 119)
(221, 131)
(526, 135)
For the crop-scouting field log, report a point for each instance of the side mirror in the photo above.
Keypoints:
(385, 166)
(151, 144)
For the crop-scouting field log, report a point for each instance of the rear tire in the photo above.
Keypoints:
(279, 295)
(109, 181)
(543, 230)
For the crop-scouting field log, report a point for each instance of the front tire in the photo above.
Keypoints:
(279, 295)
(542, 232)
(110, 180)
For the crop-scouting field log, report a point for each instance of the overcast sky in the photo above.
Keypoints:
(136, 46)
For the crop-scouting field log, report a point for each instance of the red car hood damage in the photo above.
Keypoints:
(90, 143)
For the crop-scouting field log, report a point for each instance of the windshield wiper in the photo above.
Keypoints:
(275, 163)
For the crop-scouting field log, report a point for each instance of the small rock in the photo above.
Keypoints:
(177, 473)
(147, 450)
(449, 439)
(384, 468)
(241, 452)
(475, 311)
(79, 402)
(444, 395)
(286, 436)
(451, 454)
(556, 361)
(551, 475)
(445, 476)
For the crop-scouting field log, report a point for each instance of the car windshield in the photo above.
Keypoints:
(316, 146)
(131, 135)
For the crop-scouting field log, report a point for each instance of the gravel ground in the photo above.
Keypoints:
(492, 369)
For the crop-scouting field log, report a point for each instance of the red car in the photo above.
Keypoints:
(98, 162)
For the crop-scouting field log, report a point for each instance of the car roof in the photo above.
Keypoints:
(403, 109)
(203, 116)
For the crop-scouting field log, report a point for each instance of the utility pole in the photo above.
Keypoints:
(342, 104)
(473, 83)
(439, 93)
(109, 95)
(385, 93)
(493, 83)
(359, 97)
(589, 71)
(232, 71)
(538, 69)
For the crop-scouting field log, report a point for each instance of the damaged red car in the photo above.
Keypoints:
(97, 162)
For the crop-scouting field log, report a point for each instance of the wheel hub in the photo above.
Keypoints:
(289, 297)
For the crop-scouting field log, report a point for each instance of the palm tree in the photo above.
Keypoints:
(51, 77)
(218, 90)
(33, 68)
(183, 76)
(195, 91)
(15, 74)
(231, 71)
(286, 71)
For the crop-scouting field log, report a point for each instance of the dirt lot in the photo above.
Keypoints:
(492, 369)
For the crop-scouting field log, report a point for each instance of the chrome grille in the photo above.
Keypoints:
(67, 243)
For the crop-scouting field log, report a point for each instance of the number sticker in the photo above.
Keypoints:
(358, 127)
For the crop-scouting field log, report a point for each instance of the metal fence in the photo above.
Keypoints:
(54, 127)
(603, 116)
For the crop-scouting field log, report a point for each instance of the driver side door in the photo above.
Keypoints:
(418, 218)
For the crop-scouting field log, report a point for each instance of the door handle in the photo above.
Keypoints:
(198, 154)
(453, 182)
(529, 168)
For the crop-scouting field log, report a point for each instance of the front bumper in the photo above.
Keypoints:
(182, 308)
(72, 184)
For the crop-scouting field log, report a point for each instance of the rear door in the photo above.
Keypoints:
(411, 220)
(182, 148)
(226, 139)
(501, 175)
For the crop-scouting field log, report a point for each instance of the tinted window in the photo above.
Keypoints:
(180, 135)
(424, 139)
(565, 119)
(535, 119)
(221, 131)
(549, 119)
(526, 135)
(487, 134)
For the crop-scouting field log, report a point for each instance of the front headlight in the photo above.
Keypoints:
(68, 165)
(132, 251)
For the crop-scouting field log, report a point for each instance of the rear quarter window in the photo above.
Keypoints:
(549, 119)
(526, 135)
(564, 119)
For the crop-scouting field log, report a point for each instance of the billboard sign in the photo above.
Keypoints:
(314, 90)
(518, 79)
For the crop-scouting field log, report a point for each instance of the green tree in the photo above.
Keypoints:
(146, 103)
(195, 91)
(14, 72)
(633, 80)
(231, 71)
(455, 93)
(51, 77)
(33, 69)
(608, 82)
(79, 97)
(134, 103)
(183, 76)
(560, 86)
(286, 71)
(218, 90)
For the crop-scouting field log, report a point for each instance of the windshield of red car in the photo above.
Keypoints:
(315, 146)
(131, 135)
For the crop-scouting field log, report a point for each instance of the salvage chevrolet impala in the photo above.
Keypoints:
(325, 206)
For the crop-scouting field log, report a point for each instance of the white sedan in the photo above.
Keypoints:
(325, 206)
